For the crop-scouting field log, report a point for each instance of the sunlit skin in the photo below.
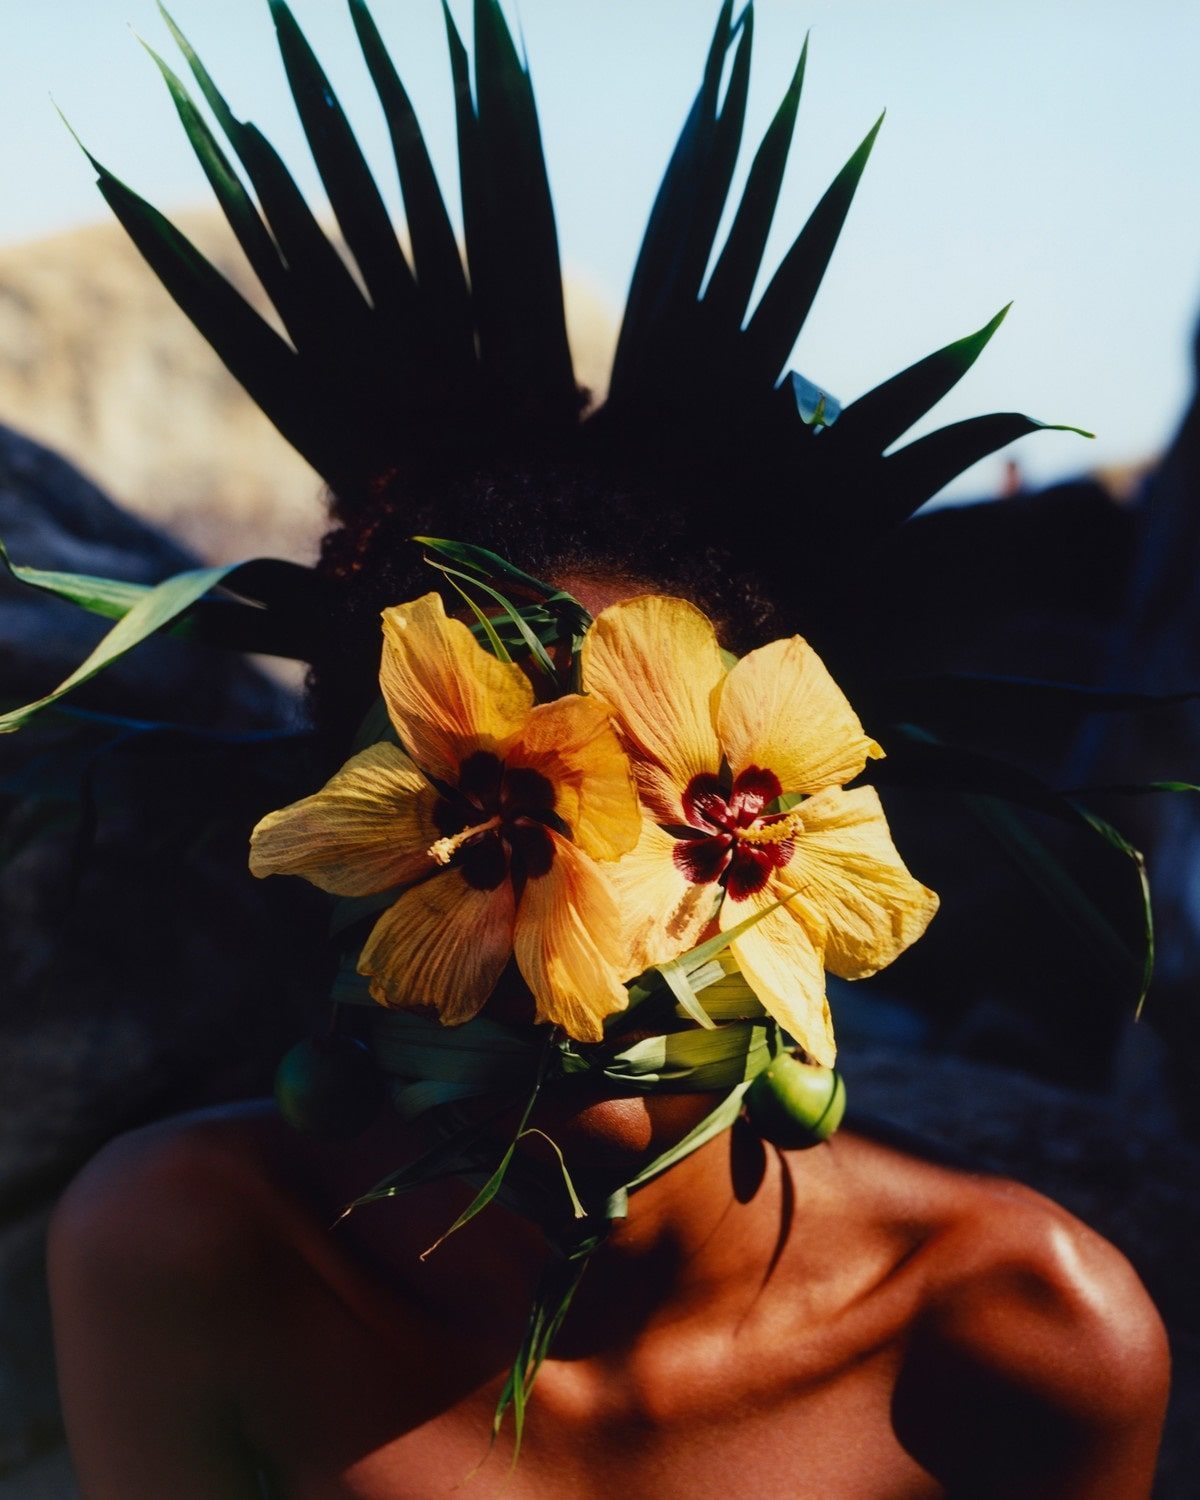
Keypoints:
(846, 1322)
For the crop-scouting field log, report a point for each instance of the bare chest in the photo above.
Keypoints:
(341, 1411)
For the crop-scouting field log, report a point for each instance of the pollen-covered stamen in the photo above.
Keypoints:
(778, 831)
(444, 850)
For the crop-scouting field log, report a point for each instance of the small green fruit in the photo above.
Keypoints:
(794, 1105)
(329, 1087)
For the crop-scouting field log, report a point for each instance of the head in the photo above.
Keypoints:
(601, 530)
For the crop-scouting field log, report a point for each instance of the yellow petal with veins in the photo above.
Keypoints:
(572, 743)
(781, 711)
(569, 945)
(656, 662)
(849, 870)
(446, 696)
(663, 913)
(444, 943)
(366, 830)
(781, 960)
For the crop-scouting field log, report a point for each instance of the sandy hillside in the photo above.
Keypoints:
(97, 362)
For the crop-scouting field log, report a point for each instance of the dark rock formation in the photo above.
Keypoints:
(143, 969)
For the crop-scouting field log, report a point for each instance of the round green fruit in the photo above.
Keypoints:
(329, 1087)
(794, 1105)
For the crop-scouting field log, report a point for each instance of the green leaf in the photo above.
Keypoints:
(280, 623)
(673, 210)
(492, 1186)
(577, 1207)
(324, 311)
(491, 567)
(100, 596)
(462, 1152)
(556, 1289)
(235, 201)
(817, 408)
(1100, 941)
(1118, 841)
(534, 646)
(987, 785)
(682, 974)
(439, 268)
(488, 630)
(918, 471)
(512, 241)
(875, 421)
(679, 327)
(727, 295)
(250, 349)
(156, 609)
(353, 193)
(781, 312)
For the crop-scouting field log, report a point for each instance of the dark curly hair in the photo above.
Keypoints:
(563, 515)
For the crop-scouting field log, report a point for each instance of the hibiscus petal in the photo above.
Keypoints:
(663, 912)
(781, 960)
(656, 662)
(444, 943)
(446, 696)
(781, 711)
(848, 867)
(367, 829)
(569, 945)
(572, 743)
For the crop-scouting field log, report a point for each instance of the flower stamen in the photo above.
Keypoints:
(772, 833)
(444, 850)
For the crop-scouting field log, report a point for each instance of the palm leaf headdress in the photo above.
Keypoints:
(419, 352)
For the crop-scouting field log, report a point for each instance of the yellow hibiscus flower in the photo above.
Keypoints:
(712, 750)
(493, 821)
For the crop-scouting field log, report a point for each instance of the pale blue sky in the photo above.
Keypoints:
(1045, 151)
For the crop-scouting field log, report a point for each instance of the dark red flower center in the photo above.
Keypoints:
(727, 834)
(505, 812)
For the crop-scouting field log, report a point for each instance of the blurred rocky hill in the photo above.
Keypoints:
(97, 363)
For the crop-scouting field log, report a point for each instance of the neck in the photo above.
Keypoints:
(709, 1233)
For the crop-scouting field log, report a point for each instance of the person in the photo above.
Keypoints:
(846, 1320)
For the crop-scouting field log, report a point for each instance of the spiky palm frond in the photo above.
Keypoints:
(376, 369)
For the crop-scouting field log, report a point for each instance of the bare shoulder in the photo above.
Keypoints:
(166, 1194)
(155, 1253)
(1040, 1297)
(1038, 1347)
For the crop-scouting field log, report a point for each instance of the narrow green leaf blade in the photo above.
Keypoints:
(156, 609)
(326, 304)
(727, 296)
(674, 206)
(486, 628)
(236, 204)
(353, 194)
(1113, 958)
(878, 419)
(532, 644)
(516, 276)
(917, 472)
(784, 306)
(725, 140)
(249, 348)
(278, 623)
(439, 269)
